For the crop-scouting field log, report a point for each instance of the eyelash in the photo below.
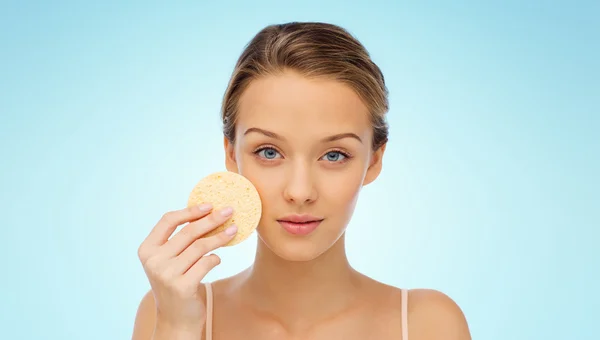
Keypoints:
(346, 155)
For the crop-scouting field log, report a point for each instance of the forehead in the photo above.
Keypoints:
(291, 104)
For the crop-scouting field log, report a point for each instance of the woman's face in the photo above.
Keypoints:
(306, 146)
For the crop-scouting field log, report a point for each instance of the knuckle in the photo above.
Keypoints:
(208, 223)
(191, 210)
(168, 216)
(190, 232)
(165, 276)
(200, 245)
(152, 265)
(141, 253)
(186, 232)
(216, 218)
(223, 237)
(199, 228)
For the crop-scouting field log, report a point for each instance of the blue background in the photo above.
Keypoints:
(110, 114)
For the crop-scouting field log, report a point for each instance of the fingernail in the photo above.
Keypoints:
(205, 207)
(226, 211)
(231, 230)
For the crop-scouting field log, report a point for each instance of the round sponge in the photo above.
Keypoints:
(222, 189)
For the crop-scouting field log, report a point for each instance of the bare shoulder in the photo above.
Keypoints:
(145, 318)
(433, 315)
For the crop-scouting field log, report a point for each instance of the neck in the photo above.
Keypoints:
(299, 294)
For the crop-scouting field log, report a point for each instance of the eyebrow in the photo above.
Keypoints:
(326, 139)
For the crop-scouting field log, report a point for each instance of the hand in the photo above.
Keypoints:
(175, 267)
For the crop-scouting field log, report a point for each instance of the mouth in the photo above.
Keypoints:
(300, 224)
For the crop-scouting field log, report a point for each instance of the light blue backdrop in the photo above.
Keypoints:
(489, 192)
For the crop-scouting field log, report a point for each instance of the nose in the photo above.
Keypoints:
(300, 188)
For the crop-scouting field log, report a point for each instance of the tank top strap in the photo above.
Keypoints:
(404, 314)
(209, 310)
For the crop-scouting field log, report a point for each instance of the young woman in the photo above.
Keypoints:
(304, 121)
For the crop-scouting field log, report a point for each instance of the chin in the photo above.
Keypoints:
(297, 248)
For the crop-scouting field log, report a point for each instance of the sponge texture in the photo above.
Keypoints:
(222, 189)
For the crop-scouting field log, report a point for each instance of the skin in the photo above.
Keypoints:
(295, 170)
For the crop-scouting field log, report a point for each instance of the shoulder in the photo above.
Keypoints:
(434, 315)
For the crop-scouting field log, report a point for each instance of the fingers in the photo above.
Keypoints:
(199, 270)
(167, 225)
(199, 248)
(193, 231)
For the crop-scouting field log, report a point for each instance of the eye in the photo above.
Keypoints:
(335, 156)
(267, 153)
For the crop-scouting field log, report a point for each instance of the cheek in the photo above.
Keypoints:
(265, 179)
(340, 188)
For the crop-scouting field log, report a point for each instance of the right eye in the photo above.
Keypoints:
(267, 153)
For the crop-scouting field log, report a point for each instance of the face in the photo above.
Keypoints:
(306, 146)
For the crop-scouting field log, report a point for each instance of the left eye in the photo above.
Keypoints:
(334, 156)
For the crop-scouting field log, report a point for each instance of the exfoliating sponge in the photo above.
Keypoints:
(226, 188)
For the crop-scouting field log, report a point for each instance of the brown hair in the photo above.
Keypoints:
(314, 50)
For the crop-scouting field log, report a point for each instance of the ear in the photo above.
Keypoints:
(230, 160)
(375, 165)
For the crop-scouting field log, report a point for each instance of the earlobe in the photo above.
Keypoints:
(230, 161)
(375, 165)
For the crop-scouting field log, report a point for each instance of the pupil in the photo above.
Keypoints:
(332, 156)
(270, 153)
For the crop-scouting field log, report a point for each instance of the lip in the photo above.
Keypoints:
(300, 224)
